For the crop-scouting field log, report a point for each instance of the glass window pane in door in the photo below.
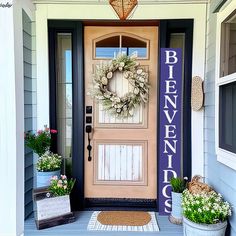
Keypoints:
(177, 40)
(108, 47)
(134, 46)
(64, 99)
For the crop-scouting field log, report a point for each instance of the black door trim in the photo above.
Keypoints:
(120, 204)
(76, 28)
(182, 26)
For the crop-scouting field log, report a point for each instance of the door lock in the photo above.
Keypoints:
(88, 130)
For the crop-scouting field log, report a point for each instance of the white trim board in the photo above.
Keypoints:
(12, 118)
(105, 2)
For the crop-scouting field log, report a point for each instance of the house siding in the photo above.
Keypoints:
(221, 177)
(29, 104)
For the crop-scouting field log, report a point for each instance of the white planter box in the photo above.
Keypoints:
(50, 210)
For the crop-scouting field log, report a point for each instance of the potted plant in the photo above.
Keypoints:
(61, 186)
(204, 213)
(53, 203)
(48, 164)
(39, 142)
(178, 186)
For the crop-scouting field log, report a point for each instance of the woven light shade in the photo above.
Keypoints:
(123, 7)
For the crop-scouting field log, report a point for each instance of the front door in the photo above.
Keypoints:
(124, 151)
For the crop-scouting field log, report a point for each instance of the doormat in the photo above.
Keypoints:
(123, 221)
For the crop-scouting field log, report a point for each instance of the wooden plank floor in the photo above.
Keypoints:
(79, 228)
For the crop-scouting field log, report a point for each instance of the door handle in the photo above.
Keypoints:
(88, 130)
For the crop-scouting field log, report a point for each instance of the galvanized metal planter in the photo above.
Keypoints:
(190, 228)
(43, 178)
(176, 216)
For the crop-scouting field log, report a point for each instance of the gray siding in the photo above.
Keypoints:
(221, 177)
(30, 104)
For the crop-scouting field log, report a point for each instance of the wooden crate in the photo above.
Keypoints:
(51, 211)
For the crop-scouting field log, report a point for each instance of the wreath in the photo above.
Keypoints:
(124, 106)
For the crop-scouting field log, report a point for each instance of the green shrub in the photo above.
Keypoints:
(205, 208)
(178, 184)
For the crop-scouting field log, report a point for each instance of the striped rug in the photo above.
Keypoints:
(94, 225)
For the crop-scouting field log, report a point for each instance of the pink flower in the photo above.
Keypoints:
(54, 177)
(53, 131)
(39, 131)
(47, 129)
(63, 176)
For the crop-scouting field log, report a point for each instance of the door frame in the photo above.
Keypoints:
(166, 27)
(182, 26)
(76, 29)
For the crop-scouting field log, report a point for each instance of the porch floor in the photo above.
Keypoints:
(79, 228)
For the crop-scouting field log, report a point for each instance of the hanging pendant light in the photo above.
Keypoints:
(123, 7)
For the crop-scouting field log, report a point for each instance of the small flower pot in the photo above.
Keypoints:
(44, 178)
(176, 216)
(191, 228)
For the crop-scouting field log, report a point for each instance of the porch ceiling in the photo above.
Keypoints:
(140, 2)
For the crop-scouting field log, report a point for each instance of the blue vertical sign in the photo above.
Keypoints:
(170, 124)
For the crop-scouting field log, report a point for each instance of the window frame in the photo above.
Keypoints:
(223, 156)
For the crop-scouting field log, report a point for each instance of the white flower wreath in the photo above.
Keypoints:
(124, 106)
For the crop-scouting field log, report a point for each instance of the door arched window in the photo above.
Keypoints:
(109, 46)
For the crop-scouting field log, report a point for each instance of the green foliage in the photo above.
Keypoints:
(178, 184)
(61, 186)
(49, 162)
(205, 208)
(39, 142)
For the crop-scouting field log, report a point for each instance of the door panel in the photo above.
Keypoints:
(124, 159)
(122, 163)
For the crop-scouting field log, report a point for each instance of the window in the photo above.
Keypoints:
(64, 99)
(227, 119)
(110, 46)
(226, 87)
(228, 45)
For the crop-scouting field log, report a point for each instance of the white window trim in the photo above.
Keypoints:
(225, 157)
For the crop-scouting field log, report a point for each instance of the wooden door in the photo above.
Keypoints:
(124, 151)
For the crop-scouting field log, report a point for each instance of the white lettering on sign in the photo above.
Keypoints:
(164, 191)
(171, 57)
(172, 102)
(168, 205)
(170, 87)
(53, 207)
(172, 147)
(170, 134)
